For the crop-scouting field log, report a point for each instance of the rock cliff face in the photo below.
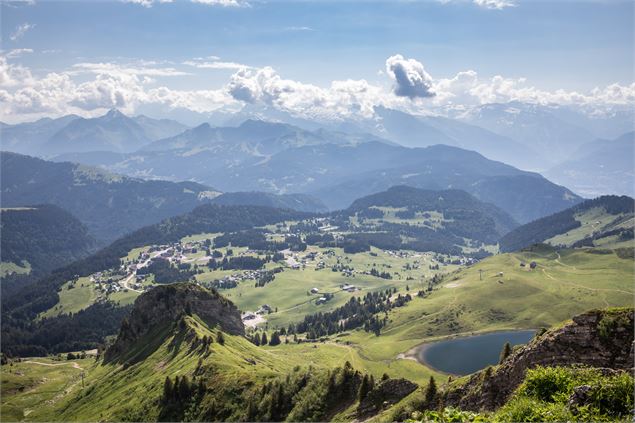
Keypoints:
(165, 305)
(599, 338)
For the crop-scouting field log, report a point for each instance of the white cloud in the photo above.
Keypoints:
(21, 30)
(468, 89)
(298, 28)
(17, 52)
(411, 79)
(214, 63)
(89, 88)
(342, 99)
(495, 4)
(224, 3)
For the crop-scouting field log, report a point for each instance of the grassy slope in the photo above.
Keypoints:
(31, 386)
(592, 220)
(7, 268)
(113, 392)
(559, 288)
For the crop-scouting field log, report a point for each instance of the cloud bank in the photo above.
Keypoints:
(87, 88)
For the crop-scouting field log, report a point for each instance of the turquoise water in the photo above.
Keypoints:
(462, 356)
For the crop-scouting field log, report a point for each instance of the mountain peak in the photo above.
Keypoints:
(114, 113)
(163, 306)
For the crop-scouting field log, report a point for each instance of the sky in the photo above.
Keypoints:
(317, 59)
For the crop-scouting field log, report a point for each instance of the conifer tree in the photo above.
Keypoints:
(507, 350)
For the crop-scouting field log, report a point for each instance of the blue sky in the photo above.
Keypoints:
(573, 46)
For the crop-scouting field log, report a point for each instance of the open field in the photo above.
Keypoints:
(7, 268)
(32, 387)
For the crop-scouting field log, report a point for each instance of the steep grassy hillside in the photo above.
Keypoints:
(583, 224)
(217, 375)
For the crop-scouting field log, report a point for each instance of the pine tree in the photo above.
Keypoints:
(263, 340)
(431, 391)
(167, 390)
(275, 339)
(507, 350)
(220, 338)
(364, 388)
(185, 389)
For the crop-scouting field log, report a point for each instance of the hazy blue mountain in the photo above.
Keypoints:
(299, 202)
(28, 138)
(219, 155)
(109, 205)
(599, 167)
(252, 137)
(112, 132)
(524, 195)
(423, 131)
(159, 128)
(534, 126)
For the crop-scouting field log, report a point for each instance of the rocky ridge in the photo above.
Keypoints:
(164, 306)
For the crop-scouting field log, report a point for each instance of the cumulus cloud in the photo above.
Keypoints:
(21, 30)
(89, 88)
(342, 99)
(411, 79)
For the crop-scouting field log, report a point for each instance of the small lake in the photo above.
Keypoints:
(462, 356)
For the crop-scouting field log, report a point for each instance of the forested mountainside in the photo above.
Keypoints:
(108, 205)
(35, 240)
(423, 220)
(603, 217)
(299, 202)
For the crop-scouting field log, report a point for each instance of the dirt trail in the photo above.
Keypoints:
(73, 364)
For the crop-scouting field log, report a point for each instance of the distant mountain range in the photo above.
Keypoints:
(335, 167)
(599, 167)
(111, 205)
(113, 132)
(338, 161)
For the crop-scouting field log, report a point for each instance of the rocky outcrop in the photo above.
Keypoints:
(599, 338)
(163, 307)
(388, 392)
